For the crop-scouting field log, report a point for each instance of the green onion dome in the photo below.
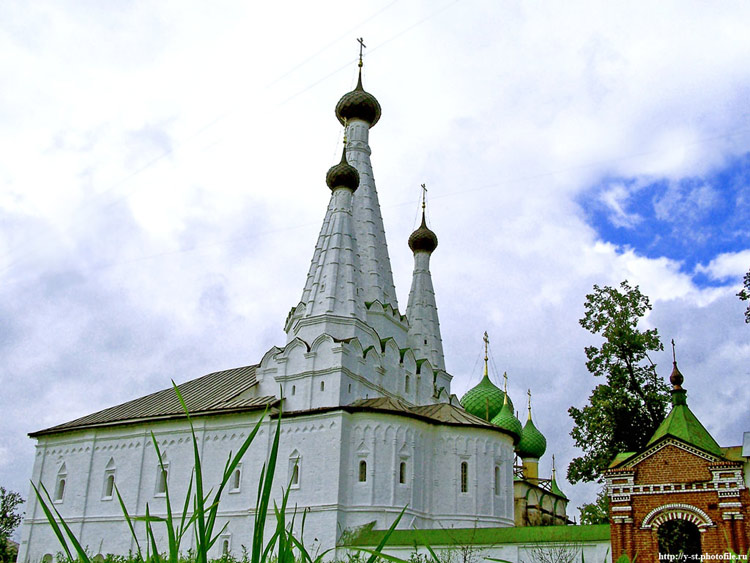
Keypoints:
(343, 174)
(358, 104)
(533, 444)
(484, 400)
(506, 420)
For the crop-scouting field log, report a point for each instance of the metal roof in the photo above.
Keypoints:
(215, 393)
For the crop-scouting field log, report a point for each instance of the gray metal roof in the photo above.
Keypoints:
(439, 413)
(214, 393)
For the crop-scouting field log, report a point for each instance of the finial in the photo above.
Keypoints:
(676, 378)
(528, 392)
(362, 45)
(505, 377)
(424, 197)
(553, 467)
(486, 344)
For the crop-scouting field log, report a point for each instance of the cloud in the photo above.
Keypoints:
(727, 265)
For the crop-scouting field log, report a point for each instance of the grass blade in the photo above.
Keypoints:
(51, 519)
(130, 523)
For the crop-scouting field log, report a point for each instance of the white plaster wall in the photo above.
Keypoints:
(328, 445)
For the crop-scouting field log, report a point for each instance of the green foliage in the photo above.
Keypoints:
(624, 412)
(596, 512)
(9, 521)
(679, 537)
(744, 295)
(199, 514)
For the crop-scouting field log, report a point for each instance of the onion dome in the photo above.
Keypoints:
(506, 420)
(423, 238)
(553, 486)
(343, 174)
(483, 400)
(533, 444)
(358, 104)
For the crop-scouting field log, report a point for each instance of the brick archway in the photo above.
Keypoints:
(677, 511)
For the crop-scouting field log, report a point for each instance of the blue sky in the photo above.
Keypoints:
(691, 220)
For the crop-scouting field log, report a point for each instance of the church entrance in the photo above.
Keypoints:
(679, 537)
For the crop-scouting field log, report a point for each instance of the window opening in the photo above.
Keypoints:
(464, 477)
(362, 471)
(402, 472)
(62, 478)
(162, 475)
(406, 384)
(497, 480)
(322, 385)
(294, 389)
(236, 480)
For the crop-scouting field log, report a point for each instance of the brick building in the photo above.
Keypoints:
(684, 483)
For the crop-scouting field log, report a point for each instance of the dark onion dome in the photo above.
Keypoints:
(506, 420)
(676, 378)
(423, 238)
(484, 400)
(533, 444)
(358, 104)
(343, 174)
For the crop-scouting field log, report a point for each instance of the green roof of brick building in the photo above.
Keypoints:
(682, 424)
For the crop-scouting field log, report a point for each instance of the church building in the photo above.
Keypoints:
(369, 424)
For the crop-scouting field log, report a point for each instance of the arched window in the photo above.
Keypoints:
(402, 472)
(226, 544)
(322, 385)
(236, 481)
(62, 479)
(295, 465)
(294, 389)
(497, 480)
(109, 480)
(464, 477)
(162, 476)
(362, 471)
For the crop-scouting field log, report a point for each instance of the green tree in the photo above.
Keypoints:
(624, 412)
(744, 295)
(596, 512)
(9, 520)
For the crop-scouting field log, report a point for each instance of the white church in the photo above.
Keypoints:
(369, 424)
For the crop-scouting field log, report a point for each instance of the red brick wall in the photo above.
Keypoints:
(675, 465)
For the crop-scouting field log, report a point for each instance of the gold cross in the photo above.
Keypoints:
(424, 196)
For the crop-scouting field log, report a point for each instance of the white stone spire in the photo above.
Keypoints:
(424, 326)
(332, 300)
(377, 276)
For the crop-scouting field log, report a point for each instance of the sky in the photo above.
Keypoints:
(162, 187)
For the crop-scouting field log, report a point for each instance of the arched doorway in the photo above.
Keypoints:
(679, 537)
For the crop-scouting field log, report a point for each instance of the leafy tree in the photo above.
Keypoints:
(744, 295)
(596, 512)
(624, 412)
(9, 520)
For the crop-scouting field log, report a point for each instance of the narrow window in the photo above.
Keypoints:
(406, 384)
(402, 472)
(322, 385)
(236, 480)
(362, 471)
(464, 477)
(295, 474)
(295, 462)
(497, 480)
(225, 547)
(350, 388)
(162, 475)
(294, 389)
(62, 479)
(109, 480)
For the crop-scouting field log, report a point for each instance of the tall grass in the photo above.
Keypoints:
(199, 513)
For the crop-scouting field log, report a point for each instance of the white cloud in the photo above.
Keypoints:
(727, 265)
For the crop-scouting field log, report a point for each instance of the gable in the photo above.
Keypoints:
(672, 463)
